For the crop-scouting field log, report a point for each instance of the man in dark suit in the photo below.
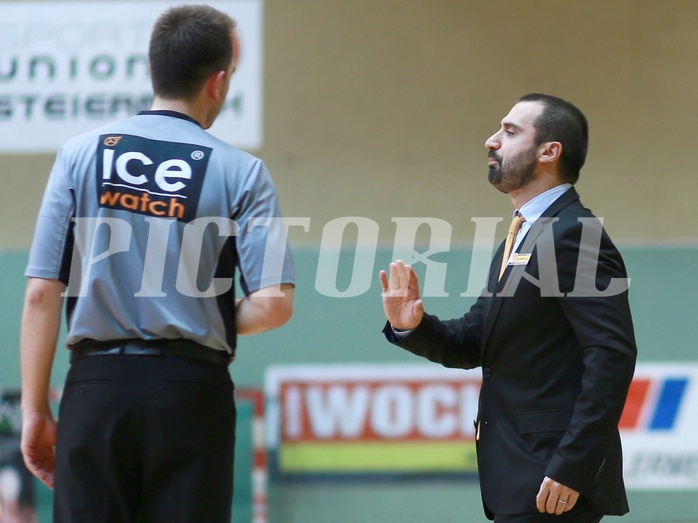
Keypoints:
(552, 332)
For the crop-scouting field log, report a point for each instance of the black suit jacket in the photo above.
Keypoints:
(556, 362)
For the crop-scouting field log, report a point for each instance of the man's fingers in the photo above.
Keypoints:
(555, 498)
(407, 275)
(383, 277)
(394, 277)
(560, 506)
(403, 273)
(401, 282)
(571, 501)
(556, 503)
(418, 309)
(551, 504)
(563, 500)
(399, 277)
(45, 477)
(39, 469)
(541, 500)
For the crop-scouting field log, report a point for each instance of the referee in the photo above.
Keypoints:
(143, 226)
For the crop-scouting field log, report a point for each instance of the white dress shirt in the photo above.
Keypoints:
(534, 208)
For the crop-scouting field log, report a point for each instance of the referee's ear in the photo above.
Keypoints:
(215, 85)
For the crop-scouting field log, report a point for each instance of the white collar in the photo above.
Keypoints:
(534, 208)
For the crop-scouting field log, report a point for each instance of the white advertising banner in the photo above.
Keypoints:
(417, 419)
(68, 67)
(660, 428)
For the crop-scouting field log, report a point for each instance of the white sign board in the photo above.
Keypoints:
(69, 67)
(419, 418)
(660, 428)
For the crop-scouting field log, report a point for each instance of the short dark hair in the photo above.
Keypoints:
(187, 45)
(562, 122)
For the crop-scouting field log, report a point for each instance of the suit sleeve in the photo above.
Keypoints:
(603, 326)
(452, 343)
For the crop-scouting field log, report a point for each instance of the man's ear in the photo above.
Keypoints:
(214, 85)
(550, 152)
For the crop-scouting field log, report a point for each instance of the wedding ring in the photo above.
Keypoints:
(563, 502)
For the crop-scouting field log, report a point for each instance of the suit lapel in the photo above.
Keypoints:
(495, 302)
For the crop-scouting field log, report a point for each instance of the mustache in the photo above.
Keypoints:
(493, 154)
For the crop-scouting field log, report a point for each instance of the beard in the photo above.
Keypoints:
(514, 173)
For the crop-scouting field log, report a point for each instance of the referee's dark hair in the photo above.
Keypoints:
(562, 122)
(187, 45)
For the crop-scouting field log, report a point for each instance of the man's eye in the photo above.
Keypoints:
(510, 133)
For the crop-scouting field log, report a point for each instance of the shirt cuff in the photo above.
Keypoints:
(401, 334)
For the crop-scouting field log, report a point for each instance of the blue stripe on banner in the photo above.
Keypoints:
(668, 404)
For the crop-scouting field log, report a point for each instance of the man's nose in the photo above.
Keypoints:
(492, 143)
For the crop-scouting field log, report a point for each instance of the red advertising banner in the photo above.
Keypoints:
(373, 419)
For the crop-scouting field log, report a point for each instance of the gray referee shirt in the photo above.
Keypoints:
(147, 220)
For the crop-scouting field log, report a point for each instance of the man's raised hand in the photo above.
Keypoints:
(401, 301)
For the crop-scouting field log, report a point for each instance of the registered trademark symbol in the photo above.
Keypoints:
(197, 155)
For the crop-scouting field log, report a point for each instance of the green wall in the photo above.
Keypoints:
(664, 296)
